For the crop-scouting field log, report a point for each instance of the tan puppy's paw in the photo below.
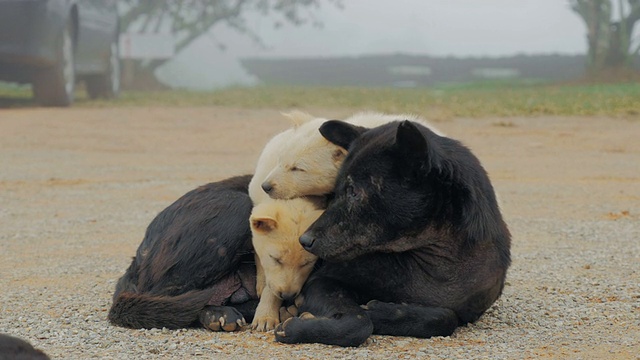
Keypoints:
(264, 323)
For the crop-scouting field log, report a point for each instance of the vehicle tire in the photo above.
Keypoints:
(55, 85)
(107, 85)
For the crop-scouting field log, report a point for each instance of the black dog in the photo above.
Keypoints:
(195, 264)
(414, 232)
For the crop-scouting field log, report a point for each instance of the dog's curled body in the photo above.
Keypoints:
(195, 264)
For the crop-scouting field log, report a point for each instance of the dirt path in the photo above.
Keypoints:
(79, 186)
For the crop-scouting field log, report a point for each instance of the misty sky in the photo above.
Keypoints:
(433, 27)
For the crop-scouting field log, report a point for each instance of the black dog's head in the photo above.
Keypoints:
(385, 190)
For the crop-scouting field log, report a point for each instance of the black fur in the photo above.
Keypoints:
(196, 258)
(414, 231)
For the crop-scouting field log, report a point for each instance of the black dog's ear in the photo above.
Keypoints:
(410, 141)
(340, 132)
(412, 149)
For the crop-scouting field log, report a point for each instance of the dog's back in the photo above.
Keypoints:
(188, 258)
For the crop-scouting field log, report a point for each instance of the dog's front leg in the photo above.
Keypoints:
(410, 320)
(268, 312)
(261, 280)
(330, 315)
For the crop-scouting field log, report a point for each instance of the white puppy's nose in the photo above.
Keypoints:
(267, 187)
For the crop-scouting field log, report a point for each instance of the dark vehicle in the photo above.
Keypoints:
(52, 44)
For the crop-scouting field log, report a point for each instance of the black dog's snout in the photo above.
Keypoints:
(306, 240)
(267, 187)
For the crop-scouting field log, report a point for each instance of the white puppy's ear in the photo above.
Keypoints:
(297, 117)
(263, 224)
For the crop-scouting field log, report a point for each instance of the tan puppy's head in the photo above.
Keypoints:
(307, 165)
(276, 226)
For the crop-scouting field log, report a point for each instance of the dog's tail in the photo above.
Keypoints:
(144, 311)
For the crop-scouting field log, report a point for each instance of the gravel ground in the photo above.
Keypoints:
(79, 186)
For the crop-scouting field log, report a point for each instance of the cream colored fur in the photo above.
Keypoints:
(282, 264)
(304, 126)
(307, 164)
(276, 226)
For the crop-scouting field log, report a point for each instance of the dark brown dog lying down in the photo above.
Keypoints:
(195, 265)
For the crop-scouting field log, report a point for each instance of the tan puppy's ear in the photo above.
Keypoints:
(298, 117)
(263, 224)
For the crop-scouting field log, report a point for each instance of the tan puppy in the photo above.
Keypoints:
(276, 226)
(282, 264)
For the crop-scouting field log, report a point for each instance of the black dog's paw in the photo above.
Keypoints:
(284, 330)
(371, 304)
(288, 330)
(218, 318)
(375, 305)
(377, 310)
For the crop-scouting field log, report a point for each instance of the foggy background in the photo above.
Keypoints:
(459, 28)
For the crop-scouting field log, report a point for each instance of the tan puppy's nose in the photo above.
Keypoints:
(289, 297)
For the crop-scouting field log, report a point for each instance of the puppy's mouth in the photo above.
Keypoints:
(282, 195)
(287, 297)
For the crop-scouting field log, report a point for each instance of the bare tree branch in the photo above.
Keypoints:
(189, 19)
